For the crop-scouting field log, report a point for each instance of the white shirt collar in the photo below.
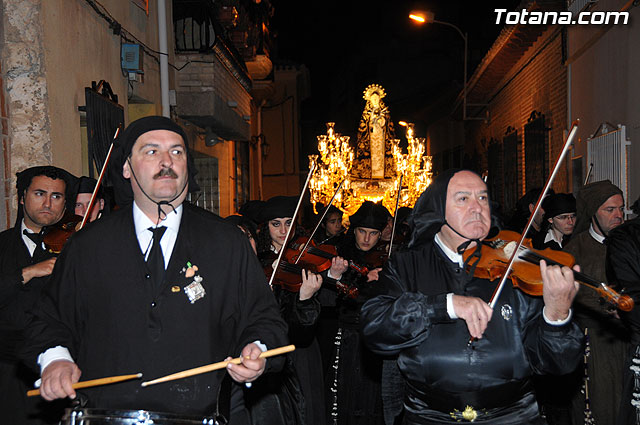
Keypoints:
(452, 255)
(551, 236)
(31, 245)
(142, 224)
(595, 235)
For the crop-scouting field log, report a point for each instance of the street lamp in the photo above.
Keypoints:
(422, 17)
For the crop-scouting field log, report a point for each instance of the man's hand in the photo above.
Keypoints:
(474, 311)
(41, 269)
(311, 282)
(58, 378)
(251, 367)
(558, 290)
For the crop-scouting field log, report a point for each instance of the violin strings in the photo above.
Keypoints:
(534, 257)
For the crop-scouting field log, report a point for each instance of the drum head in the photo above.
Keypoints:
(131, 417)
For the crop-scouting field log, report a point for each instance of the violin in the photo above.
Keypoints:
(57, 235)
(525, 271)
(319, 256)
(289, 277)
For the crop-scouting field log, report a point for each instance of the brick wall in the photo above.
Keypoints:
(538, 82)
(209, 75)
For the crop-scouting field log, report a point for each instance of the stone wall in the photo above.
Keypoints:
(23, 70)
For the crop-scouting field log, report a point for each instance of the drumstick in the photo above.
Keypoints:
(95, 382)
(216, 366)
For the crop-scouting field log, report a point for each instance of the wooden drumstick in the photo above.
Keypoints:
(216, 366)
(95, 382)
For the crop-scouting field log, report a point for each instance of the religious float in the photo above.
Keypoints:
(376, 169)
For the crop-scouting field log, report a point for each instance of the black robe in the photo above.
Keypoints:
(442, 372)
(354, 381)
(623, 270)
(296, 396)
(103, 306)
(17, 302)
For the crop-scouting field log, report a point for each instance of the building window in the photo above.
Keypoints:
(535, 151)
(495, 181)
(242, 173)
(207, 178)
(510, 166)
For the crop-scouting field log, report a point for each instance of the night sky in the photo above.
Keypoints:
(349, 44)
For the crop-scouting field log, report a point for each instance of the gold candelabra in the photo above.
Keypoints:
(333, 167)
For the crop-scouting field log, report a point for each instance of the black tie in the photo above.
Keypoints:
(155, 260)
(37, 239)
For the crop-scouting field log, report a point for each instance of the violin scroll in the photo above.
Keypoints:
(621, 301)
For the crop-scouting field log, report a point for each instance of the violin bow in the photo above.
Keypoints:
(99, 181)
(326, 210)
(586, 179)
(293, 219)
(514, 255)
(395, 217)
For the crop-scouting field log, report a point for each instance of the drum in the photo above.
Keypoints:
(82, 416)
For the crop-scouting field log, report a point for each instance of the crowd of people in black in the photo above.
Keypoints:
(391, 324)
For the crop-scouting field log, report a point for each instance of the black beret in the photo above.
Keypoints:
(558, 203)
(278, 207)
(370, 215)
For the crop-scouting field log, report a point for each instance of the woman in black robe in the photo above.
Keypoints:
(300, 309)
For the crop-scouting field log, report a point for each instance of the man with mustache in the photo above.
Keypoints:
(156, 287)
(600, 209)
(430, 306)
(25, 267)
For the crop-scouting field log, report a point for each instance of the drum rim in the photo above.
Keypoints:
(84, 411)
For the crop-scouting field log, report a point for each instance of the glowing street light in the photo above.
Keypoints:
(422, 17)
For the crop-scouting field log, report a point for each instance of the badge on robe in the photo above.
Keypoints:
(195, 290)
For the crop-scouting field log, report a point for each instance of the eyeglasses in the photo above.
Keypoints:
(565, 217)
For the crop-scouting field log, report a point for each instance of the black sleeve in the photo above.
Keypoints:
(300, 316)
(551, 349)
(260, 316)
(57, 314)
(623, 268)
(400, 319)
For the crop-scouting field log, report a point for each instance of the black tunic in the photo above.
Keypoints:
(16, 307)
(354, 381)
(103, 306)
(442, 372)
(623, 270)
(300, 386)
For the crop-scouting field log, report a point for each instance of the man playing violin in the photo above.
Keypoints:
(431, 306)
(25, 266)
(157, 287)
(355, 375)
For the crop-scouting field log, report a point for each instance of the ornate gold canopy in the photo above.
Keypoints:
(373, 169)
